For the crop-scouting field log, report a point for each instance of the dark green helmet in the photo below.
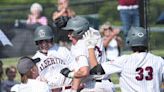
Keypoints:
(43, 33)
(137, 36)
(78, 25)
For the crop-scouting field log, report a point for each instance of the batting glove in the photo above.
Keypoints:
(67, 73)
(90, 39)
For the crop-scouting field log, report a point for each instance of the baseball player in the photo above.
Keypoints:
(140, 72)
(28, 70)
(53, 59)
(77, 27)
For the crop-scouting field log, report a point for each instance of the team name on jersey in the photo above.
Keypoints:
(50, 61)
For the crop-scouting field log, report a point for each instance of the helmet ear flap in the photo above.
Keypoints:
(36, 42)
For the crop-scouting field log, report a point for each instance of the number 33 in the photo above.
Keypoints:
(141, 76)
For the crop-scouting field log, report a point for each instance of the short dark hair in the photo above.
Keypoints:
(139, 48)
(9, 68)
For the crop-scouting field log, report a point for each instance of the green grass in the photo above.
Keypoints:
(158, 52)
(114, 77)
(115, 80)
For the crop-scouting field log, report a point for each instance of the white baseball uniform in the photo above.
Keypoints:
(50, 65)
(32, 85)
(140, 72)
(80, 50)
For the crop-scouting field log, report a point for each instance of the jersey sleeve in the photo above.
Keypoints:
(68, 56)
(80, 53)
(114, 66)
(162, 69)
(82, 61)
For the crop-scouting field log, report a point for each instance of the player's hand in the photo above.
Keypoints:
(67, 73)
(115, 31)
(90, 38)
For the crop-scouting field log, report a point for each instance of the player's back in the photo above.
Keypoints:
(32, 86)
(141, 72)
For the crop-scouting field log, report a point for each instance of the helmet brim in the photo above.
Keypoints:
(44, 38)
(67, 28)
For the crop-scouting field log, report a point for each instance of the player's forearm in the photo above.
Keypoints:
(92, 58)
(83, 72)
(76, 83)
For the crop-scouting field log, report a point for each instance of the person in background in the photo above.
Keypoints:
(1, 76)
(29, 72)
(35, 16)
(63, 10)
(111, 41)
(11, 74)
(129, 14)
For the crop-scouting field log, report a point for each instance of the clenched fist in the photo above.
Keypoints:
(67, 73)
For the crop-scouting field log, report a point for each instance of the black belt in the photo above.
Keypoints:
(101, 80)
(98, 80)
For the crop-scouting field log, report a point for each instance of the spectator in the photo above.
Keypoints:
(35, 17)
(63, 10)
(11, 74)
(111, 41)
(1, 76)
(29, 72)
(129, 14)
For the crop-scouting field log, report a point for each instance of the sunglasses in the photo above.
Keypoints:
(109, 28)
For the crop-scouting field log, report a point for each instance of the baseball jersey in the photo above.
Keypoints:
(51, 64)
(140, 72)
(80, 50)
(32, 85)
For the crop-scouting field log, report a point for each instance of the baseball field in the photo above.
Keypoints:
(13, 61)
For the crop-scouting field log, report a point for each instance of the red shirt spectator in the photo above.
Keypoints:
(128, 2)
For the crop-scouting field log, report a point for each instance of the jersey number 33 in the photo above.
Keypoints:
(141, 71)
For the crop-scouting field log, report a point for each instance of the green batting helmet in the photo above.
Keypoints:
(43, 33)
(78, 25)
(137, 36)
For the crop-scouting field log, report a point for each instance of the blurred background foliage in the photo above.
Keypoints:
(101, 10)
(106, 9)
